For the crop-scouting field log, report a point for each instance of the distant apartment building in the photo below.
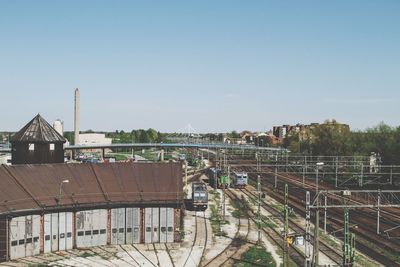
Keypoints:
(245, 137)
(266, 139)
(282, 131)
(305, 132)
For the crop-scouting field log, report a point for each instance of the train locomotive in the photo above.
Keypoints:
(199, 196)
(218, 179)
(224, 181)
(240, 179)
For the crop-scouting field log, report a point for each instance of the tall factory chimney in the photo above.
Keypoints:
(77, 116)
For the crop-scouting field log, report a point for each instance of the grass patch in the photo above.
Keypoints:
(85, 255)
(215, 194)
(105, 257)
(241, 207)
(149, 155)
(182, 232)
(120, 157)
(256, 256)
(329, 240)
(278, 207)
(266, 222)
(216, 218)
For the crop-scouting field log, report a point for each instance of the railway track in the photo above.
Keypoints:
(200, 240)
(169, 255)
(243, 247)
(295, 254)
(296, 200)
(224, 256)
(330, 252)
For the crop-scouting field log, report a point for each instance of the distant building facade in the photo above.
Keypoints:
(305, 132)
(94, 138)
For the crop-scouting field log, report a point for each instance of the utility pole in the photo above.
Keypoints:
(349, 242)
(223, 201)
(307, 232)
(276, 170)
(225, 161)
(257, 162)
(391, 174)
(259, 210)
(316, 235)
(186, 180)
(379, 213)
(336, 172)
(304, 173)
(223, 193)
(215, 178)
(316, 226)
(346, 249)
(287, 161)
(325, 211)
(286, 230)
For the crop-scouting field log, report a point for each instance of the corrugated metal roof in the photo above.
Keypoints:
(38, 130)
(12, 196)
(36, 187)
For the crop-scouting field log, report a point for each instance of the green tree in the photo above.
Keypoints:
(292, 142)
(152, 135)
(234, 134)
(330, 139)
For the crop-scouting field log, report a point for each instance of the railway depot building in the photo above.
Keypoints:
(54, 207)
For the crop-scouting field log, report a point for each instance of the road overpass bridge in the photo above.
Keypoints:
(162, 146)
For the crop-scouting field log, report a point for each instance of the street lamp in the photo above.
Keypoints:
(58, 197)
(316, 177)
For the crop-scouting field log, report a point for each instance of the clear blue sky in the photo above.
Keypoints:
(219, 65)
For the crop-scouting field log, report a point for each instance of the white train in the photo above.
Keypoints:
(240, 179)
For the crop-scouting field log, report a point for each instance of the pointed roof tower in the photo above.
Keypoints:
(38, 130)
(37, 143)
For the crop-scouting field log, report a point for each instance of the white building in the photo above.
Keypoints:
(94, 138)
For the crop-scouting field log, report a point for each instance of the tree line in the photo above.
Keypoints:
(332, 139)
(137, 136)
